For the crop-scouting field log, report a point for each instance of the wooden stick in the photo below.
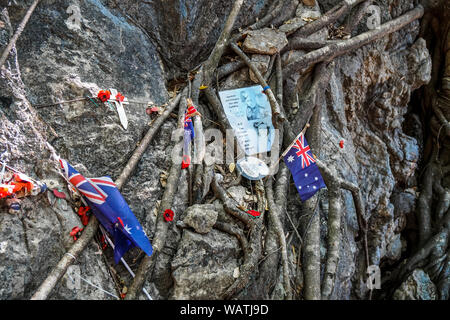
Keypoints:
(18, 32)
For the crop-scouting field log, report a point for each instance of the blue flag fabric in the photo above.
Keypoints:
(188, 129)
(111, 209)
(306, 174)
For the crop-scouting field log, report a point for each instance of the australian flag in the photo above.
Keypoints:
(111, 210)
(306, 174)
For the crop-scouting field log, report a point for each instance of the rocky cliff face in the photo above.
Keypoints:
(136, 47)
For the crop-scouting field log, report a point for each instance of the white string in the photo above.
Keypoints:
(71, 255)
(122, 259)
(90, 283)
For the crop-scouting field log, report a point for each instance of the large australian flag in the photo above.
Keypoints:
(306, 174)
(111, 210)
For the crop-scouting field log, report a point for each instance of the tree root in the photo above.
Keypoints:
(334, 50)
(274, 216)
(328, 18)
(272, 13)
(354, 19)
(147, 265)
(334, 237)
(229, 204)
(253, 254)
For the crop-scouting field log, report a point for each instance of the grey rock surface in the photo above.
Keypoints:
(204, 264)
(201, 217)
(418, 286)
(264, 41)
(186, 31)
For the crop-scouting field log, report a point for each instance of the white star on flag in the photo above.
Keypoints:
(127, 229)
(290, 158)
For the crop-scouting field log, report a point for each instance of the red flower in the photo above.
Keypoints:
(76, 233)
(341, 144)
(120, 97)
(84, 216)
(253, 213)
(168, 215)
(186, 162)
(104, 95)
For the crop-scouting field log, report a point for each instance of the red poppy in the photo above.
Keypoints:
(341, 144)
(254, 213)
(186, 162)
(76, 233)
(83, 213)
(104, 95)
(168, 215)
(120, 97)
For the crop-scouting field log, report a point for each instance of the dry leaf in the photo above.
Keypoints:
(231, 167)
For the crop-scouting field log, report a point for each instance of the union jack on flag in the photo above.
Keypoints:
(304, 151)
(301, 163)
(111, 210)
(90, 188)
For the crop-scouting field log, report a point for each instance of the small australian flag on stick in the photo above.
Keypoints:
(306, 174)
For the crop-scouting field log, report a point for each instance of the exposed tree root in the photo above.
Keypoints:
(328, 18)
(334, 236)
(274, 216)
(146, 267)
(334, 50)
(272, 13)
